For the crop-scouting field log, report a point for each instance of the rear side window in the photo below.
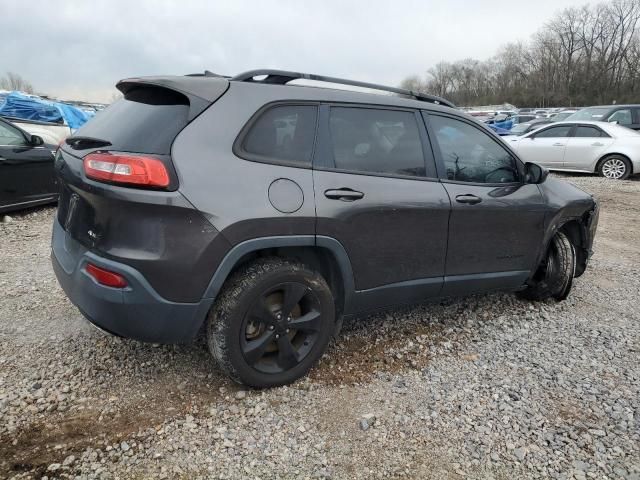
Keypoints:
(146, 120)
(589, 132)
(555, 132)
(376, 141)
(283, 133)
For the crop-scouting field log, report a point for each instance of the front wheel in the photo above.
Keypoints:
(271, 323)
(615, 167)
(554, 276)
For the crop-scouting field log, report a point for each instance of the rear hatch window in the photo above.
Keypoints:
(146, 120)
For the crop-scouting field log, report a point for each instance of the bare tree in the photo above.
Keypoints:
(581, 56)
(13, 81)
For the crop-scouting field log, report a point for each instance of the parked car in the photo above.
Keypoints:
(604, 148)
(517, 119)
(500, 123)
(43, 117)
(182, 206)
(27, 178)
(563, 115)
(524, 128)
(500, 131)
(51, 133)
(625, 115)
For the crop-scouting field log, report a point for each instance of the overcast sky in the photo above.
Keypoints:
(79, 49)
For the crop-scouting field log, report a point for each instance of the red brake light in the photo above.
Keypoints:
(127, 169)
(105, 277)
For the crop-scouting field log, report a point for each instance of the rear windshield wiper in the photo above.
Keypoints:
(82, 143)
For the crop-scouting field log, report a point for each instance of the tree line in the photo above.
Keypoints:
(13, 81)
(585, 55)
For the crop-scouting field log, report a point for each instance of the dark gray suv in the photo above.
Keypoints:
(268, 212)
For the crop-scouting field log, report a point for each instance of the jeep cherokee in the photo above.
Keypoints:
(267, 212)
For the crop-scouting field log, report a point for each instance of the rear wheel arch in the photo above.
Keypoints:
(328, 257)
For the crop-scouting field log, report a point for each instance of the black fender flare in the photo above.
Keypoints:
(232, 257)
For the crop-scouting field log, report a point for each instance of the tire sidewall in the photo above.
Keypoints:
(626, 162)
(230, 321)
(562, 252)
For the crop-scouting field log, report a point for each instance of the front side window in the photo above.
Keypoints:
(622, 117)
(560, 131)
(584, 131)
(10, 136)
(283, 133)
(471, 155)
(376, 141)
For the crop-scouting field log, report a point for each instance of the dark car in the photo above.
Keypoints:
(268, 212)
(625, 115)
(27, 176)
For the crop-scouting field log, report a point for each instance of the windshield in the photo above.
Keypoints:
(562, 116)
(520, 128)
(594, 114)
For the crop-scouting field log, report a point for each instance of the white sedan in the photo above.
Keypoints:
(608, 149)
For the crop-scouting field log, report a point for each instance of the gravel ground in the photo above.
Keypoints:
(486, 387)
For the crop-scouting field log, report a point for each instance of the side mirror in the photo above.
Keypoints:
(36, 141)
(534, 173)
(615, 122)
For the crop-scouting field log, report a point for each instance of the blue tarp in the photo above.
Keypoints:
(30, 107)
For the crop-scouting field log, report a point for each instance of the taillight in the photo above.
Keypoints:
(128, 169)
(106, 277)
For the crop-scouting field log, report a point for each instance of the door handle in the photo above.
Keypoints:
(597, 144)
(469, 199)
(558, 144)
(344, 194)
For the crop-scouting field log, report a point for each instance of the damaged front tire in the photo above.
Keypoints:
(554, 276)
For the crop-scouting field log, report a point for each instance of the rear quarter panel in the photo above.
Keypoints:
(627, 146)
(233, 193)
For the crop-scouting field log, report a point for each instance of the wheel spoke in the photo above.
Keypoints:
(309, 322)
(293, 293)
(255, 349)
(613, 168)
(287, 356)
(262, 313)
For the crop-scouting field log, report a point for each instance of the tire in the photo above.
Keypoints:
(251, 343)
(554, 276)
(615, 167)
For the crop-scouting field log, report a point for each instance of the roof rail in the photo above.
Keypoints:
(282, 77)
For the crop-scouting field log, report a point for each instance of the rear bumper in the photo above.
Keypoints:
(136, 311)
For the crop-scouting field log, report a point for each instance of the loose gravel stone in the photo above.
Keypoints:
(482, 387)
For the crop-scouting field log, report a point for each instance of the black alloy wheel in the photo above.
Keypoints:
(281, 327)
(271, 322)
